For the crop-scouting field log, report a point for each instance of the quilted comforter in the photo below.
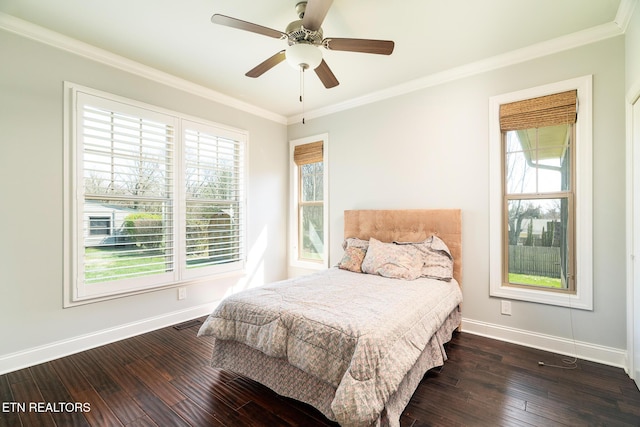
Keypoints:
(360, 333)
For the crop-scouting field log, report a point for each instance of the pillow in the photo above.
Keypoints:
(352, 259)
(437, 259)
(355, 242)
(394, 261)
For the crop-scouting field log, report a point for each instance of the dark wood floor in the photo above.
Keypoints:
(163, 379)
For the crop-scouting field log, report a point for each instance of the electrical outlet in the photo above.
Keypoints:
(182, 293)
(505, 308)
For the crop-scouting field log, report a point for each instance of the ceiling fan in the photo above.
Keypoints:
(304, 37)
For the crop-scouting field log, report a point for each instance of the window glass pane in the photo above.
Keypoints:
(319, 182)
(520, 176)
(140, 245)
(311, 182)
(213, 199)
(554, 169)
(127, 212)
(538, 242)
(311, 232)
(538, 160)
(124, 155)
(213, 234)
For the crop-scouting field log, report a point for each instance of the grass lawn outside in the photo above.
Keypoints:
(542, 281)
(102, 264)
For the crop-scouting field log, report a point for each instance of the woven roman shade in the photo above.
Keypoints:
(308, 153)
(549, 110)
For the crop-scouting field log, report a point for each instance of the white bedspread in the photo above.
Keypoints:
(360, 333)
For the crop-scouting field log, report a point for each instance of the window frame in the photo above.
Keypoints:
(294, 225)
(583, 165)
(76, 291)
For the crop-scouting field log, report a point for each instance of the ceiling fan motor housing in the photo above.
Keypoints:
(296, 33)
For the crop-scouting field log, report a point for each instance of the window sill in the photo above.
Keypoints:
(71, 302)
(540, 296)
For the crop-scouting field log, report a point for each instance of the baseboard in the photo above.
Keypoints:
(34, 356)
(587, 351)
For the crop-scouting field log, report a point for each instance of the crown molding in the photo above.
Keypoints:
(625, 11)
(570, 41)
(35, 32)
(539, 50)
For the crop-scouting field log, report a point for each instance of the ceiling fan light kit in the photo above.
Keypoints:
(303, 55)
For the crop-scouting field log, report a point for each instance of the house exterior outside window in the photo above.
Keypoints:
(309, 207)
(540, 195)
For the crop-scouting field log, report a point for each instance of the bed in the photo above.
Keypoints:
(353, 345)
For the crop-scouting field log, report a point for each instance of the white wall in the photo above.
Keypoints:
(429, 149)
(31, 218)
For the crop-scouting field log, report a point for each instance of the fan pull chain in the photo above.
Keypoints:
(302, 68)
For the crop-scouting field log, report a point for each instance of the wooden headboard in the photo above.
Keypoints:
(409, 225)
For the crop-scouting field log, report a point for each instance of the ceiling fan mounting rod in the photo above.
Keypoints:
(301, 8)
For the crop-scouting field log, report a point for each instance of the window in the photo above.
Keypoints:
(214, 197)
(174, 188)
(309, 208)
(538, 191)
(541, 195)
(99, 226)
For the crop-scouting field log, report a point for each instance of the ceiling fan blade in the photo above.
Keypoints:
(265, 66)
(314, 14)
(247, 26)
(326, 76)
(380, 47)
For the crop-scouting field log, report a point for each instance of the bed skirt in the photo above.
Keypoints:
(289, 381)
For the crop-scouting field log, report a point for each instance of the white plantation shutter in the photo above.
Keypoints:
(127, 183)
(214, 192)
(159, 199)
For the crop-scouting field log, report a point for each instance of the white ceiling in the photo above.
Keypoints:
(431, 36)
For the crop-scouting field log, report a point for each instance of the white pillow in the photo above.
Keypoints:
(391, 260)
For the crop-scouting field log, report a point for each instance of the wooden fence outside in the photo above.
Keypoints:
(535, 260)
